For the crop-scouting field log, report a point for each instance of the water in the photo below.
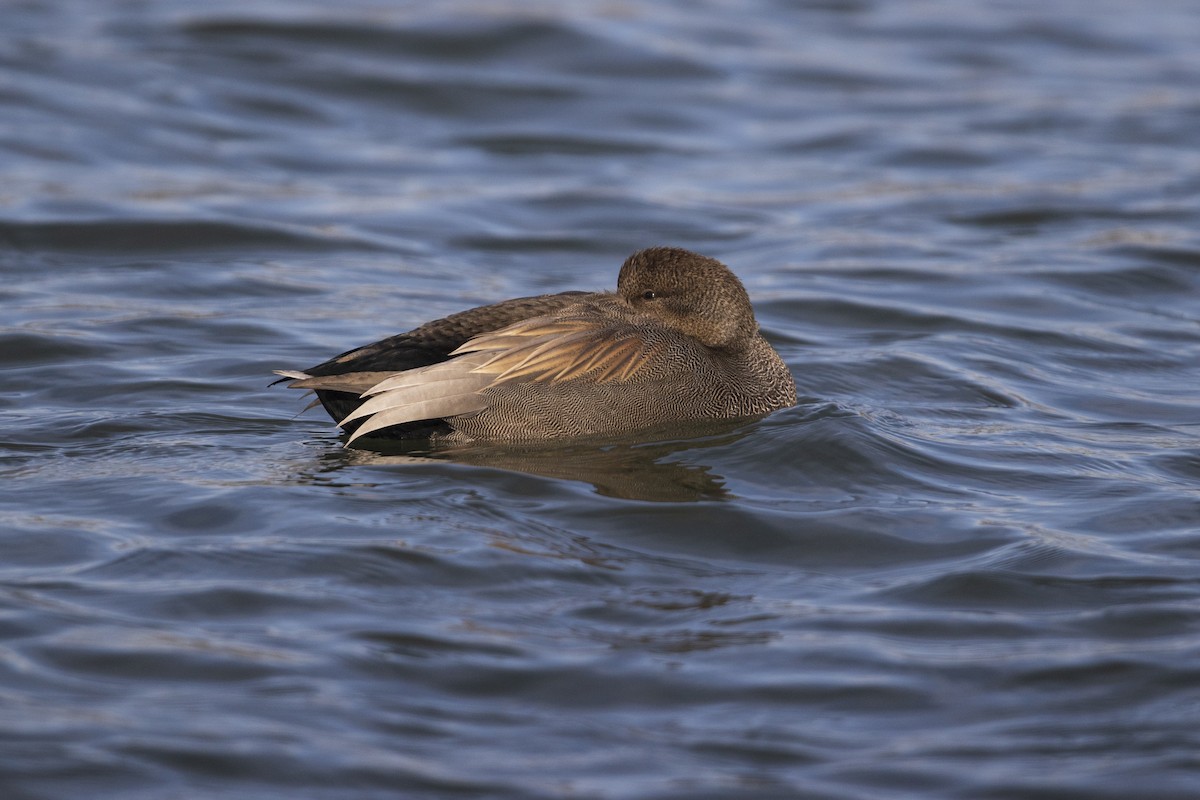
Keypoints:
(964, 566)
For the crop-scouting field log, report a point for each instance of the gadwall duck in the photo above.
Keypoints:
(677, 341)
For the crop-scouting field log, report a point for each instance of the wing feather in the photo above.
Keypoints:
(580, 345)
(352, 382)
(421, 398)
(453, 369)
(555, 350)
(536, 359)
(467, 403)
(546, 327)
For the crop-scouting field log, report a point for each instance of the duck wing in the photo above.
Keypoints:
(552, 349)
(431, 343)
(434, 341)
(555, 349)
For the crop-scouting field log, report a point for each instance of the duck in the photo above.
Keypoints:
(676, 342)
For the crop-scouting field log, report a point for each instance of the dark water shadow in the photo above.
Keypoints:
(643, 466)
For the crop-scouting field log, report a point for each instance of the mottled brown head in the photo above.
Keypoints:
(691, 293)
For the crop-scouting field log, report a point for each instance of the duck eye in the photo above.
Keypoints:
(649, 294)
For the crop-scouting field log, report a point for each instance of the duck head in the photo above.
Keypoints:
(691, 293)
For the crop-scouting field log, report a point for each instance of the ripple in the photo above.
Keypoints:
(165, 236)
(965, 562)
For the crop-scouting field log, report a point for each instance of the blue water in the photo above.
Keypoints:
(965, 565)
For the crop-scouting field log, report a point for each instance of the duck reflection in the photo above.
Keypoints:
(641, 468)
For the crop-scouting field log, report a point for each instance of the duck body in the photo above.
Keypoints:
(677, 341)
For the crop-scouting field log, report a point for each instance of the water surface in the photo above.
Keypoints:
(964, 566)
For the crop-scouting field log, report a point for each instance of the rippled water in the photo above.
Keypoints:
(966, 565)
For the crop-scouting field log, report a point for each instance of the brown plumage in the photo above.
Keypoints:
(677, 341)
